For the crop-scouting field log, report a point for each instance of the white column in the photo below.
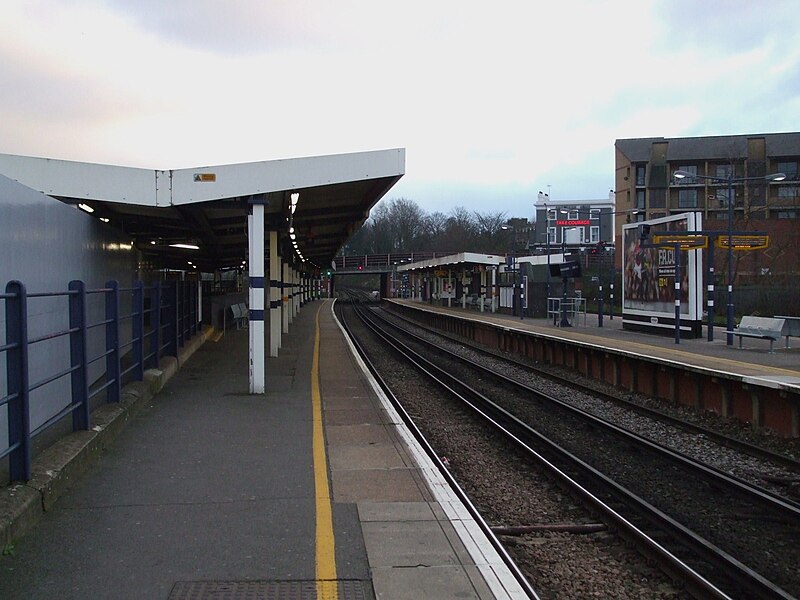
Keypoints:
(493, 293)
(483, 287)
(296, 288)
(463, 289)
(285, 290)
(255, 230)
(274, 295)
(292, 294)
(449, 288)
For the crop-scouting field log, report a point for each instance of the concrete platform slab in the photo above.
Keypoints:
(377, 485)
(368, 457)
(423, 582)
(365, 433)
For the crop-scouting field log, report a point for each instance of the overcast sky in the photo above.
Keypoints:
(493, 101)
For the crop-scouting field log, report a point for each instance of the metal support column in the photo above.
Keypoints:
(274, 295)
(286, 295)
(255, 231)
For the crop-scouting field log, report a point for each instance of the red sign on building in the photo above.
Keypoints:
(573, 222)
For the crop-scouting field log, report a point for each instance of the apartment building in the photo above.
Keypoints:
(718, 169)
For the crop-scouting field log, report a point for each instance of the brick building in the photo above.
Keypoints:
(645, 183)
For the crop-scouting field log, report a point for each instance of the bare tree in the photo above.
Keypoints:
(493, 232)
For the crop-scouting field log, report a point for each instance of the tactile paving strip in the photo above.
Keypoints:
(267, 590)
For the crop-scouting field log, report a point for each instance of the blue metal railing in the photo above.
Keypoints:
(173, 319)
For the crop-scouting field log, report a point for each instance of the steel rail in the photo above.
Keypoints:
(496, 544)
(721, 438)
(760, 587)
(740, 485)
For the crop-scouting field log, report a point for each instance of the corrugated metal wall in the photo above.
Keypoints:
(45, 244)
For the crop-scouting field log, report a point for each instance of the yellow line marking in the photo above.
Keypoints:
(327, 587)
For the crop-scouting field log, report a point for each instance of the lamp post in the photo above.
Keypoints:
(543, 198)
(730, 180)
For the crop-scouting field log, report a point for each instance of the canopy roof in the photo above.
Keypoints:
(208, 206)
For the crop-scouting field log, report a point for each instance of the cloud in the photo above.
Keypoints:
(491, 100)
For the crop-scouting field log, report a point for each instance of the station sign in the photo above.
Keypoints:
(686, 242)
(573, 222)
(744, 242)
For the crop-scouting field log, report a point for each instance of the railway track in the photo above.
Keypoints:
(622, 400)
(710, 527)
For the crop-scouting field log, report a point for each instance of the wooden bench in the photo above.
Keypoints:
(764, 328)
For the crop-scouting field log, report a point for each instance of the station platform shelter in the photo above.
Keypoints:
(493, 283)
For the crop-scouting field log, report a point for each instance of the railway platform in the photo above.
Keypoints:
(314, 489)
(750, 383)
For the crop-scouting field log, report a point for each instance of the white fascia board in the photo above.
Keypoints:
(88, 181)
(203, 184)
(539, 259)
(454, 259)
(150, 187)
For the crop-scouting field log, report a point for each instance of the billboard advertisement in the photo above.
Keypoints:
(648, 278)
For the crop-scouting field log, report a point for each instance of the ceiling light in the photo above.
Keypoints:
(86, 207)
(153, 242)
(104, 220)
(187, 246)
(292, 236)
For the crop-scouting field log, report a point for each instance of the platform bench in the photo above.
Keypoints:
(764, 328)
(240, 314)
(791, 327)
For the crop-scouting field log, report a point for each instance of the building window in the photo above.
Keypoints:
(787, 192)
(594, 234)
(722, 196)
(692, 178)
(758, 194)
(640, 199)
(658, 198)
(787, 214)
(573, 215)
(551, 235)
(594, 214)
(658, 215)
(641, 170)
(687, 198)
(723, 171)
(789, 169)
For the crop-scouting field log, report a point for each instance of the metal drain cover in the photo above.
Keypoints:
(348, 589)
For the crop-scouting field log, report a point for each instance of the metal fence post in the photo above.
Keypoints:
(137, 330)
(112, 342)
(180, 310)
(187, 313)
(155, 321)
(193, 290)
(77, 354)
(174, 321)
(17, 380)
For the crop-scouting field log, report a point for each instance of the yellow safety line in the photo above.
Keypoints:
(327, 587)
